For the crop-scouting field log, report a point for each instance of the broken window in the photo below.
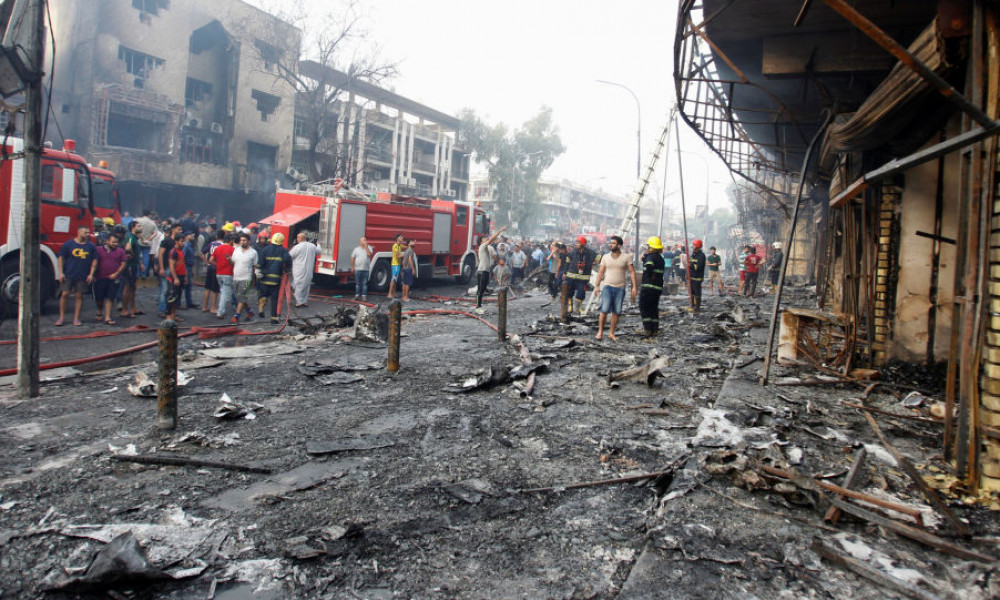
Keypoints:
(266, 103)
(131, 126)
(270, 54)
(139, 64)
(196, 91)
(151, 6)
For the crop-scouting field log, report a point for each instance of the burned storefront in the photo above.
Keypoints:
(866, 133)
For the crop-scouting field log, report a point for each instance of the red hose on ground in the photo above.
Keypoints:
(202, 332)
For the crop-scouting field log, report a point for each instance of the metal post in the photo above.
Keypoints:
(395, 325)
(564, 303)
(30, 291)
(502, 315)
(166, 408)
(827, 119)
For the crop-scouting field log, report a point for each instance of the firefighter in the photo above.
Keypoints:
(272, 262)
(581, 263)
(696, 271)
(653, 267)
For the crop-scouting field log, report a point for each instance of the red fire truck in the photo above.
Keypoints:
(73, 195)
(446, 231)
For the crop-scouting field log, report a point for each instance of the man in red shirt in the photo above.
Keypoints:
(222, 259)
(752, 263)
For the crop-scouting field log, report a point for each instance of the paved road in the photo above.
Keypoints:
(56, 351)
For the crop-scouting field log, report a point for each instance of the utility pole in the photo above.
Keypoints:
(30, 290)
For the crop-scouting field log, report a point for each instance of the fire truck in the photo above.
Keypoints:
(73, 195)
(446, 231)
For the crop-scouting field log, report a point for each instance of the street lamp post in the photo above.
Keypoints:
(638, 155)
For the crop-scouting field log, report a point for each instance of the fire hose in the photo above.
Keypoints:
(203, 332)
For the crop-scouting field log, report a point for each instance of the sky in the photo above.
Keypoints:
(506, 60)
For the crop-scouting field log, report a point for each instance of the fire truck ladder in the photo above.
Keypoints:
(640, 188)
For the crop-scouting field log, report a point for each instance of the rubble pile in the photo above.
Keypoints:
(550, 466)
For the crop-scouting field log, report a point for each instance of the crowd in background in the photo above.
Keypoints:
(243, 267)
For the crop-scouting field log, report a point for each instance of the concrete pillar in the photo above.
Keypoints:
(394, 157)
(437, 164)
(409, 151)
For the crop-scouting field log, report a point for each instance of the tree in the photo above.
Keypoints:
(514, 160)
(338, 53)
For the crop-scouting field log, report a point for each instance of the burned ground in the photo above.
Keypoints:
(397, 485)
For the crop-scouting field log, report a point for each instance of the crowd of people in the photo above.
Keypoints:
(502, 263)
(243, 267)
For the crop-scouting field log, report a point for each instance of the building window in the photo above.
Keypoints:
(300, 130)
(266, 103)
(131, 126)
(151, 6)
(270, 54)
(196, 91)
(139, 64)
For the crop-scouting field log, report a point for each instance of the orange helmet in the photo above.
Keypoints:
(696, 243)
(581, 240)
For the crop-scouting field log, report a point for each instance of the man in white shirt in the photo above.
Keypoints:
(614, 265)
(361, 265)
(517, 261)
(303, 255)
(244, 258)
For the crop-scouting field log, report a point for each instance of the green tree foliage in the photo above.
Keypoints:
(515, 160)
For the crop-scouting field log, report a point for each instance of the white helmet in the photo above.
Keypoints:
(777, 245)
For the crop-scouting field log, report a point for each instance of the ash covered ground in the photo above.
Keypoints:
(408, 485)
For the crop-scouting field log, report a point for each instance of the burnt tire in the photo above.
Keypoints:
(468, 270)
(380, 277)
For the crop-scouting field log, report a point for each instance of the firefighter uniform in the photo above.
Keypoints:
(580, 264)
(653, 267)
(273, 261)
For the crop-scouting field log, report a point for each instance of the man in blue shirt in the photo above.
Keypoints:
(77, 264)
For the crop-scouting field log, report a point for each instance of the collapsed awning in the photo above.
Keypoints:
(888, 111)
(290, 216)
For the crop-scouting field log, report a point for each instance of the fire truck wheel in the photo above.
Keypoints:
(468, 269)
(9, 283)
(381, 274)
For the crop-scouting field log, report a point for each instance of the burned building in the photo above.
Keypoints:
(375, 138)
(183, 99)
(884, 115)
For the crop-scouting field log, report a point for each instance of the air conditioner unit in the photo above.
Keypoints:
(216, 127)
(448, 192)
(195, 123)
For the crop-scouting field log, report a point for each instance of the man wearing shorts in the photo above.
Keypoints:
(397, 261)
(614, 265)
(244, 260)
(111, 260)
(77, 265)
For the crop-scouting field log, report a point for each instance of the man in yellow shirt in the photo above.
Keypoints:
(397, 261)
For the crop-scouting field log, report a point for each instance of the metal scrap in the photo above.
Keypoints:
(345, 444)
(646, 373)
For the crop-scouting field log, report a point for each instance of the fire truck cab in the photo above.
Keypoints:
(73, 194)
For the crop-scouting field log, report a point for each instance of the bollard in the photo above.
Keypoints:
(395, 324)
(564, 304)
(166, 408)
(502, 314)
